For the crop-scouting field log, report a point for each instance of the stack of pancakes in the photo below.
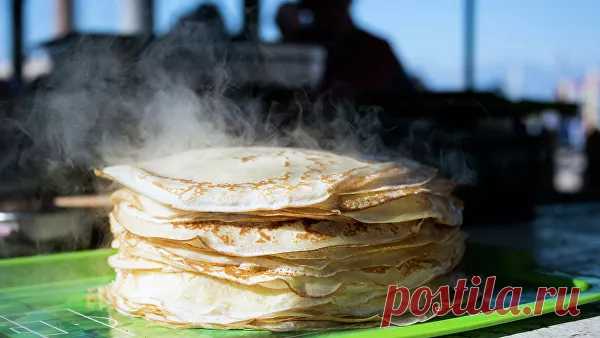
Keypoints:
(276, 238)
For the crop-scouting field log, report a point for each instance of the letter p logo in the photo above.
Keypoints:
(389, 310)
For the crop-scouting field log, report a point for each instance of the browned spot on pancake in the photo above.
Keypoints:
(235, 271)
(307, 236)
(376, 269)
(243, 227)
(248, 158)
(363, 201)
(414, 265)
(188, 225)
(264, 235)
(244, 230)
(226, 239)
(354, 228)
(312, 234)
(193, 187)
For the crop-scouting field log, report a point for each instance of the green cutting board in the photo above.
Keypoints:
(53, 296)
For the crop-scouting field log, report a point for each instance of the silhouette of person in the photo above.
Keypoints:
(289, 21)
(193, 51)
(357, 61)
(205, 20)
(592, 150)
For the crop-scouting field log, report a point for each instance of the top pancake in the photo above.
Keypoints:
(260, 178)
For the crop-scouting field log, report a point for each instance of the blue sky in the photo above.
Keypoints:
(529, 44)
(538, 41)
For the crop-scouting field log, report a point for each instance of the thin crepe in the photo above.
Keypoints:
(249, 179)
(266, 239)
(201, 301)
(380, 268)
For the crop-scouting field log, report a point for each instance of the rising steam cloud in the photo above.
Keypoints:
(106, 104)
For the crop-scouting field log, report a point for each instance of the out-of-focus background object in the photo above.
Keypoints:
(503, 96)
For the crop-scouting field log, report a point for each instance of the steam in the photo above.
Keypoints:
(105, 104)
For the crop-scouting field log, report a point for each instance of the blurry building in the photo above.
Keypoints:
(586, 92)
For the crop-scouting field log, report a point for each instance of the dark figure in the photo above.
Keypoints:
(357, 61)
(193, 51)
(289, 21)
(592, 151)
(206, 21)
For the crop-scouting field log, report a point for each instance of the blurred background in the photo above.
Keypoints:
(502, 95)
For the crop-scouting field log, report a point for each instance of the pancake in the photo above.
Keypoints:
(202, 301)
(415, 204)
(162, 212)
(365, 199)
(313, 259)
(316, 318)
(266, 238)
(443, 209)
(249, 179)
(378, 269)
(276, 238)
